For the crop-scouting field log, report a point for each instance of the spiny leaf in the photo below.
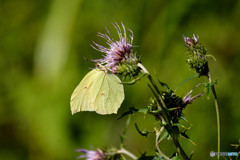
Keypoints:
(179, 125)
(184, 134)
(131, 111)
(163, 84)
(143, 133)
(187, 137)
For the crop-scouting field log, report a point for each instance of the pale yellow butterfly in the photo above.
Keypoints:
(99, 91)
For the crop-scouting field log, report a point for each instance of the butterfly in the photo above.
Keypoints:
(98, 91)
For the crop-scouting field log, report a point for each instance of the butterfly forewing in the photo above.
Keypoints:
(81, 96)
(98, 91)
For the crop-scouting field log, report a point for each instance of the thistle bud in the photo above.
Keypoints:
(196, 55)
(174, 104)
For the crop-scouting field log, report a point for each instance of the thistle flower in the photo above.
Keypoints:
(174, 104)
(196, 55)
(92, 155)
(188, 97)
(119, 57)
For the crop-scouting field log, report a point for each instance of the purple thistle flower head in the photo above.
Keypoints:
(91, 154)
(195, 38)
(191, 41)
(118, 51)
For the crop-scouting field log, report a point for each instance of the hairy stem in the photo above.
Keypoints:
(157, 144)
(217, 111)
(180, 149)
(123, 136)
(161, 103)
(126, 152)
(166, 117)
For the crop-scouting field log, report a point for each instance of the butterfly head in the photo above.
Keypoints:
(101, 67)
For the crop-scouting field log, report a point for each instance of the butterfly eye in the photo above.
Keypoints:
(97, 65)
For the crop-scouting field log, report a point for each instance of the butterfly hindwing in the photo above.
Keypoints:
(110, 95)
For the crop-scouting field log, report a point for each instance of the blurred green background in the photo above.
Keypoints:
(42, 45)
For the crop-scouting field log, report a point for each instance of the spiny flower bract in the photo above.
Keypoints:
(175, 104)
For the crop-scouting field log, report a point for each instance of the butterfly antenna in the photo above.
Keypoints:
(88, 60)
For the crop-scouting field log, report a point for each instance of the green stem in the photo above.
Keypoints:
(179, 148)
(161, 103)
(166, 116)
(126, 152)
(157, 143)
(123, 136)
(217, 111)
(159, 97)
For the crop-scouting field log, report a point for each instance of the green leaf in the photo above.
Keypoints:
(183, 134)
(207, 87)
(189, 78)
(143, 133)
(134, 80)
(209, 55)
(179, 125)
(163, 84)
(144, 157)
(144, 110)
(163, 136)
(171, 109)
(175, 157)
(158, 157)
(131, 111)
